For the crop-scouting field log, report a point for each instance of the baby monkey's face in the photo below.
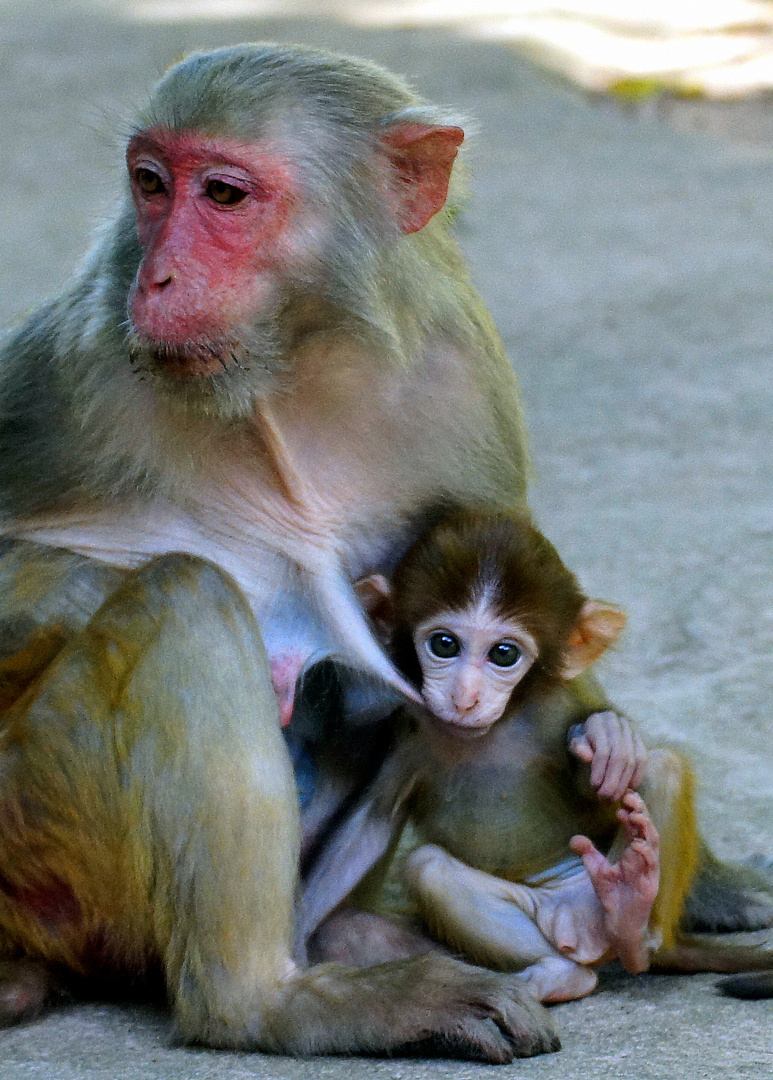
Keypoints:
(471, 661)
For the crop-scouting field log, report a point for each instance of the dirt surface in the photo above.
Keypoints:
(627, 258)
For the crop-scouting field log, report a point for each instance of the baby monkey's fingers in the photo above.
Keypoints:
(614, 751)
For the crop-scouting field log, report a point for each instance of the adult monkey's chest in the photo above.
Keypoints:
(285, 509)
(326, 481)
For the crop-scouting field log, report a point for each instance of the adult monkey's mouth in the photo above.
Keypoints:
(190, 359)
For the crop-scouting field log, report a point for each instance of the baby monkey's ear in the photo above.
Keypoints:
(598, 626)
(375, 594)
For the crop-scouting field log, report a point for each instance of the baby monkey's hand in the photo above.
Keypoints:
(613, 749)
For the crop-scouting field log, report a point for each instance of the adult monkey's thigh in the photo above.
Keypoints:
(157, 808)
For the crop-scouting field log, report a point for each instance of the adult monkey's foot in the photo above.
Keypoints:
(428, 1004)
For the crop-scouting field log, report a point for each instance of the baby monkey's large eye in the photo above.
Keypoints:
(504, 654)
(443, 645)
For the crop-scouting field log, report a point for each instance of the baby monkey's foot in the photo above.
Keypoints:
(555, 979)
(572, 919)
(627, 888)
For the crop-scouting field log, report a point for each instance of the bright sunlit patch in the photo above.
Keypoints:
(720, 48)
(194, 10)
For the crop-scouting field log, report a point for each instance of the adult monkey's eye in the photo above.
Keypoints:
(149, 182)
(443, 645)
(224, 194)
(504, 654)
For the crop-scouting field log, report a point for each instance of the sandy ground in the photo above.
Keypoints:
(627, 258)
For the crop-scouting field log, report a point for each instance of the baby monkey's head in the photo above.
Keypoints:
(482, 613)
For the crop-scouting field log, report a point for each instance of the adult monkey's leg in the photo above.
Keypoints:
(140, 763)
(152, 814)
(48, 594)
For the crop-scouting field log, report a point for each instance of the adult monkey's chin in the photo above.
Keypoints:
(224, 377)
(190, 359)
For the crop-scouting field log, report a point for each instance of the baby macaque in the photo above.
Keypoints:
(505, 826)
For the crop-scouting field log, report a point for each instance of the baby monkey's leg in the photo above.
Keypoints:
(585, 914)
(626, 883)
(556, 978)
(492, 922)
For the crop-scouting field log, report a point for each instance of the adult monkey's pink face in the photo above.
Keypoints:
(210, 215)
(215, 221)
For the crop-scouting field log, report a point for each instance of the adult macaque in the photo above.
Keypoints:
(270, 368)
(268, 372)
(485, 618)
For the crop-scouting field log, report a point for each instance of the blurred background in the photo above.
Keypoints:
(620, 227)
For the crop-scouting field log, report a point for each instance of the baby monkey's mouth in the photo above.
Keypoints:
(455, 728)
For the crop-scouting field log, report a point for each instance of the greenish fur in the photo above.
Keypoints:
(147, 791)
(70, 405)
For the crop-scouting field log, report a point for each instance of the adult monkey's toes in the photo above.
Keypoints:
(430, 1004)
(496, 1021)
(523, 1021)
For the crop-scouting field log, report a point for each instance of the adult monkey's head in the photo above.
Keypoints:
(273, 192)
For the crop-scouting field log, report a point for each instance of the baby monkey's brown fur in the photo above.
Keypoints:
(490, 793)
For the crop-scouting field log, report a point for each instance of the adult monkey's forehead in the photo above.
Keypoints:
(241, 90)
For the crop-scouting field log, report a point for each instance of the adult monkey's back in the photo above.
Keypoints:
(271, 365)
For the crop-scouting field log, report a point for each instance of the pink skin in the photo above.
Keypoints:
(207, 265)
(285, 672)
(626, 890)
(215, 261)
(423, 152)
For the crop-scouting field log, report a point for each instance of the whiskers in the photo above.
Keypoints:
(218, 376)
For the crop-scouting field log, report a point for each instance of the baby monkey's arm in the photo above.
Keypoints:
(357, 844)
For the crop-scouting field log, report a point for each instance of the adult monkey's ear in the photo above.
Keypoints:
(422, 157)
(598, 626)
(375, 595)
